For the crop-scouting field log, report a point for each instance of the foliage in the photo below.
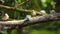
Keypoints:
(33, 5)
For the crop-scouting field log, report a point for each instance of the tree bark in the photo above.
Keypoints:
(33, 20)
(17, 9)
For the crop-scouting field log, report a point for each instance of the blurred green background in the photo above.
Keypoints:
(41, 28)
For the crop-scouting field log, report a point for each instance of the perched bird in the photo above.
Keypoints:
(6, 17)
(27, 17)
(53, 12)
(33, 13)
(43, 12)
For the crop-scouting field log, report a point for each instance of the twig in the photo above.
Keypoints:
(17, 9)
(22, 3)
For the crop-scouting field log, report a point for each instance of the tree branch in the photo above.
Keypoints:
(33, 20)
(17, 9)
(22, 3)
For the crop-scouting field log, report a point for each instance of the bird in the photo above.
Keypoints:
(43, 12)
(6, 17)
(53, 13)
(33, 13)
(27, 18)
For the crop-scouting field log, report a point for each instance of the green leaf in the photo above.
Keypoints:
(19, 1)
(14, 31)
